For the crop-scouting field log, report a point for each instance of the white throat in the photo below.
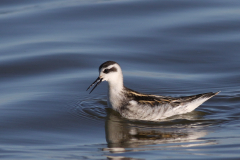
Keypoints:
(116, 84)
(115, 94)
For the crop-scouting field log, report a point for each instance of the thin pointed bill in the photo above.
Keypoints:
(97, 82)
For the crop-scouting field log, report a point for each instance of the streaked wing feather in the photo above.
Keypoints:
(155, 100)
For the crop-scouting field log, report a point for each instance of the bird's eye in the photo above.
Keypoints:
(106, 71)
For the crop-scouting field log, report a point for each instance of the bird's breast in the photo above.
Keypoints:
(115, 100)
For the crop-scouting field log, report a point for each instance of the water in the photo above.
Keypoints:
(50, 52)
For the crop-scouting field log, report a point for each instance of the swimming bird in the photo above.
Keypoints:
(134, 105)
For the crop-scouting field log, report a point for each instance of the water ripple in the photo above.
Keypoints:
(93, 109)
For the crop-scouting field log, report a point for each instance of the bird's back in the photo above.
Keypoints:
(153, 107)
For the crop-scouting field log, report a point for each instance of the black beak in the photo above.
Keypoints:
(98, 81)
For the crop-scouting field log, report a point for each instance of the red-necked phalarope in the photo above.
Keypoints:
(134, 105)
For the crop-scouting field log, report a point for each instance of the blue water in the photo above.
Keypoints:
(50, 52)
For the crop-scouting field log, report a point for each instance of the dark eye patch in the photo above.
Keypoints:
(106, 71)
(113, 69)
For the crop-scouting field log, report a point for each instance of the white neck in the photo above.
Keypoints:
(115, 88)
(116, 85)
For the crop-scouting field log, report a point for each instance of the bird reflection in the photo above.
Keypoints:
(123, 134)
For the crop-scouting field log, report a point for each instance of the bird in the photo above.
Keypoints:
(138, 106)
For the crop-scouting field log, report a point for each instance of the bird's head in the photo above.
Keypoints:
(108, 71)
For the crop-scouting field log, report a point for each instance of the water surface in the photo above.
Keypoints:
(50, 53)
